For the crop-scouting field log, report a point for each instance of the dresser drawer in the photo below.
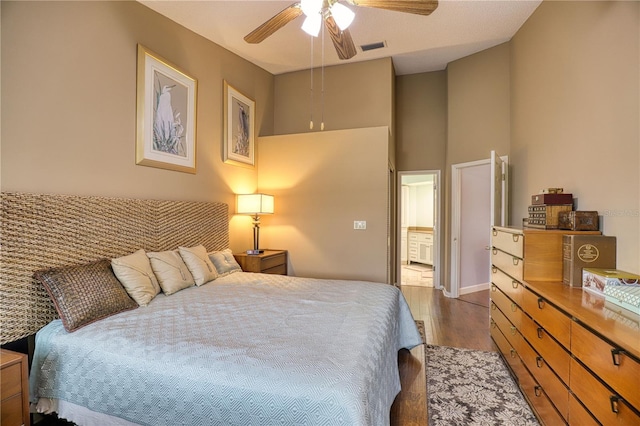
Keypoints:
(11, 381)
(11, 411)
(278, 270)
(548, 316)
(506, 305)
(553, 353)
(509, 264)
(612, 365)
(508, 329)
(600, 400)
(275, 260)
(540, 402)
(508, 285)
(555, 389)
(578, 415)
(14, 388)
(508, 241)
(508, 352)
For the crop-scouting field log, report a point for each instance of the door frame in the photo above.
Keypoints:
(456, 201)
(437, 227)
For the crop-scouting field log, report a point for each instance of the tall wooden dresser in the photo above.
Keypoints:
(575, 357)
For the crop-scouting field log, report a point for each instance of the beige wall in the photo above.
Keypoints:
(421, 121)
(566, 87)
(478, 106)
(69, 116)
(575, 108)
(478, 115)
(322, 182)
(356, 95)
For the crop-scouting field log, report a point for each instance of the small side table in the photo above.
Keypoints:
(268, 262)
(14, 388)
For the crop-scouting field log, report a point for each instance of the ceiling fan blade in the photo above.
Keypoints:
(342, 40)
(418, 7)
(274, 24)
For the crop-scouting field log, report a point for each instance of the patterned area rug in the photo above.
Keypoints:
(470, 387)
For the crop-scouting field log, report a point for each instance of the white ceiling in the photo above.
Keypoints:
(416, 43)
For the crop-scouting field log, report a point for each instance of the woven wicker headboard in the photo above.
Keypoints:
(42, 231)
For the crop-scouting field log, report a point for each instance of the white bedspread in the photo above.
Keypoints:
(245, 349)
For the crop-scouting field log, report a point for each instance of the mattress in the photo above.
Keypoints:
(245, 349)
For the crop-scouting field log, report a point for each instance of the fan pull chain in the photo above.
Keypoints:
(322, 93)
(311, 106)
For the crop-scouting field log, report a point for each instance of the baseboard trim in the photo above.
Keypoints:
(474, 288)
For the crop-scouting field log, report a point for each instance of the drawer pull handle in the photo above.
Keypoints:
(513, 353)
(537, 390)
(539, 361)
(493, 323)
(495, 233)
(494, 251)
(515, 284)
(614, 403)
(615, 355)
(539, 331)
(516, 237)
(515, 261)
(540, 303)
(494, 269)
(514, 330)
(514, 307)
(493, 287)
(493, 306)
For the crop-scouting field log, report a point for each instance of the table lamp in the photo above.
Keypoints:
(255, 205)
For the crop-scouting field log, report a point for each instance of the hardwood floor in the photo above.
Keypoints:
(462, 323)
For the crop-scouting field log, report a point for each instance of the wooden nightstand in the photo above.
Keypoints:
(269, 262)
(14, 388)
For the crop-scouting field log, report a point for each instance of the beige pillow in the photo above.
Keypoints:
(198, 262)
(171, 272)
(135, 273)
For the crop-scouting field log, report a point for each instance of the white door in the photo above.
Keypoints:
(478, 200)
(499, 190)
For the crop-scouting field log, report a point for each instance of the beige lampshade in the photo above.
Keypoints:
(254, 204)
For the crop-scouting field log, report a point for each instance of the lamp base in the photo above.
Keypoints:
(255, 251)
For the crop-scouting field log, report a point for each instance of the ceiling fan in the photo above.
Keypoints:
(336, 17)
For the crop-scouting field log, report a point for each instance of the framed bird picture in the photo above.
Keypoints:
(239, 124)
(166, 114)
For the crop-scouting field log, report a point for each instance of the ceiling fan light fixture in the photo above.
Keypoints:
(342, 15)
(311, 7)
(312, 24)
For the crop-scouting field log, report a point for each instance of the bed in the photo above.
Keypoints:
(240, 349)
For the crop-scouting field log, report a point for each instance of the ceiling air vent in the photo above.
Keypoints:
(373, 46)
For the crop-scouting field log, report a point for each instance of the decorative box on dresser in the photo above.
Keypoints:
(268, 262)
(14, 388)
(576, 359)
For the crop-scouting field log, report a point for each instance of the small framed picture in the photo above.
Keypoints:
(239, 125)
(166, 114)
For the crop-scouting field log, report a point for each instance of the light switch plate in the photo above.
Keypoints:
(359, 224)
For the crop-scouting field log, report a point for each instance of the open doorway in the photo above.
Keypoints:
(418, 234)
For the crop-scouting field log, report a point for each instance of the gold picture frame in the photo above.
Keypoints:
(239, 128)
(166, 114)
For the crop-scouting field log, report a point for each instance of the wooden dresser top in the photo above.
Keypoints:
(614, 323)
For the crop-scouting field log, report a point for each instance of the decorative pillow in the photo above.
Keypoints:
(224, 262)
(171, 272)
(199, 264)
(135, 273)
(85, 293)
